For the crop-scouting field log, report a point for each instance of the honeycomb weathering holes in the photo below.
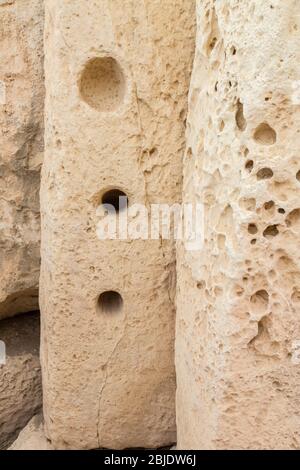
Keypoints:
(102, 84)
(110, 302)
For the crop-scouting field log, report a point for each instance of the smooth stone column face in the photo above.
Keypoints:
(117, 77)
(21, 153)
(237, 354)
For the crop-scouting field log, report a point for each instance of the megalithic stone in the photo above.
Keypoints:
(21, 153)
(238, 329)
(117, 77)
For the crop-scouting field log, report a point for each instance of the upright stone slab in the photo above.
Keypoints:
(117, 76)
(238, 329)
(21, 152)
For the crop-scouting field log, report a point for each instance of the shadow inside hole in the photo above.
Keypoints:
(110, 302)
(115, 198)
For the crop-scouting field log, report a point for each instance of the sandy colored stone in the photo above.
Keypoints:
(32, 437)
(21, 138)
(117, 76)
(238, 297)
(20, 377)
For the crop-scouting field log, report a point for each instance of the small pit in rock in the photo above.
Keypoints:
(265, 135)
(271, 231)
(252, 229)
(239, 117)
(265, 174)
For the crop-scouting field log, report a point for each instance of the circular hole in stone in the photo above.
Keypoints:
(102, 84)
(110, 302)
(115, 198)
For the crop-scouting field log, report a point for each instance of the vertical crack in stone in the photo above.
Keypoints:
(105, 367)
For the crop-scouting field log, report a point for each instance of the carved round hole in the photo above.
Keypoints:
(110, 302)
(115, 198)
(102, 84)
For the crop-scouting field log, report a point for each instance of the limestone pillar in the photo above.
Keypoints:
(238, 328)
(117, 76)
(21, 152)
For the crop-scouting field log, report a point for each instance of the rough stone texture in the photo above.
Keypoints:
(21, 137)
(117, 75)
(32, 437)
(20, 377)
(238, 298)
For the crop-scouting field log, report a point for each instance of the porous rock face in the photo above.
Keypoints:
(32, 437)
(20, 377)
(21, 137)
(239, 297)
(117, 76)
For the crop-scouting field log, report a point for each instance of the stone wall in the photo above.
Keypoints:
(238, 297)
(21, 136)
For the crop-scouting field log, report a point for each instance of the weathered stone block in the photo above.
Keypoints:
(117, 75)
(21, 137)
(238, 298)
